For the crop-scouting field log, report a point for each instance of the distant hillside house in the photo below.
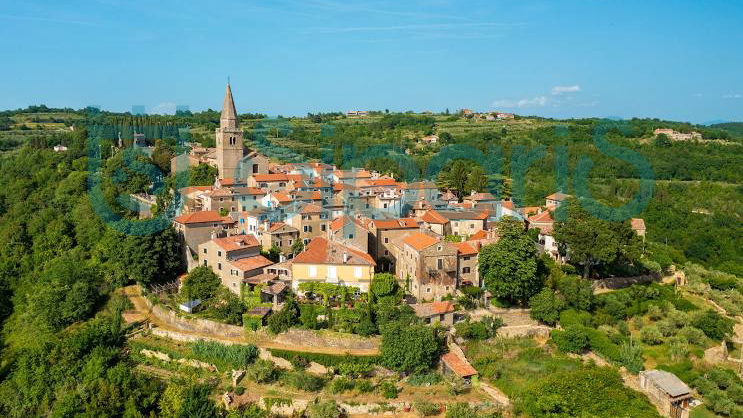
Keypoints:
(678, 136)
(60, 148)
(430, 139)
(357, 113)
(669, 391)
(504, 116)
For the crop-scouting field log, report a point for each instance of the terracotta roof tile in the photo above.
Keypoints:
(434, 218)
(638, 224)
(433, 308)
(420, 241)
(458, 365)
(544, 217)
(311, 208)
(235, 242)
(322, 251)
(199, 217)
(465, 248)
(251, 263)
(270, 177)
(478, 236)
(401, 223)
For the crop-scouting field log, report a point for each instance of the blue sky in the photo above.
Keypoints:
(570, 58)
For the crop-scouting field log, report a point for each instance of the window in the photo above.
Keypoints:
(384, 206)
(255, 168)
(386, 240)
(290, 242)
(440, 263)
(465, 270)
(312, 271)
(219, 266)
(323, 227)
(439, 248)
(428, 290)
(350, 236)
(467, 258)
(357, 272)
(472, 226)
(204, 250)
(307, 228)
(219, 253)
(205, 262)
(332, 273)
(242, 221)
(442, 318)
(447, 288)
(386, 252)
(282, 184)
(306, 241)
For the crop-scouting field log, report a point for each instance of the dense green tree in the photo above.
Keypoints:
(201, 283)
(546, 306)
(591, 242)
(476, 180)
(457, 178)
(509, 267)
(408, 348)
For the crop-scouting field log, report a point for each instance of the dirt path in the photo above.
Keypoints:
(141, 308)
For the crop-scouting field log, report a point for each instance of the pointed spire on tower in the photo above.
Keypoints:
(229, 113)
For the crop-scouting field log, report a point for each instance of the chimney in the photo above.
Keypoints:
(265, 224)
(213, 234)
(345, 257)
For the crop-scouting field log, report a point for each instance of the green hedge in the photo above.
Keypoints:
(328, 360)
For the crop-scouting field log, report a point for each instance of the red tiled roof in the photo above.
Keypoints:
(544, 217)
(458, 365)
(227, 182)
(433, 308)
(558, 196)
(270, 177)
(275, 226)
(311, 208)
(252, 263)
(340, 221)
(281, 197)
(199, 217)
(478, 236)
(322, 251)
(236, 242)
(420, 241)
(638, 224)
(255, 190)
(465, 248)
(434, 218)
(401, 223)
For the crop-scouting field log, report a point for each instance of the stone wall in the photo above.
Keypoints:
(202, 326)
(518, 331)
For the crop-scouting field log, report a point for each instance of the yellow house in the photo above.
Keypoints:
(325, 261)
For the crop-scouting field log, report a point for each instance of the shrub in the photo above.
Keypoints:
(424, 379)
(340, 385)
(667, 328)
(326, 409)
(285, 319)
(650, 335)
(572, 317)
(303, 381)
(572, 340)
(460, 410)
(482, 330)
(263, 371)
(713, 325)
(425, 408)
(355, 369)
(389, 390)
(678, 348)
(364, 386)
(408, 348)
(655, 312)
(546, 306)
(692, 335)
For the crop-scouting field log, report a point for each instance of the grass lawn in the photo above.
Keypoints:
(702, 412)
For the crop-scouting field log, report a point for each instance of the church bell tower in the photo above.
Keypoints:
(229, 138)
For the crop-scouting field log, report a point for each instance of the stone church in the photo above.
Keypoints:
(232, 159)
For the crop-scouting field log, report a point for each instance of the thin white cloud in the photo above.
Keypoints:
(733, 96)
(539, 101)
(559, 90)
(405, 27)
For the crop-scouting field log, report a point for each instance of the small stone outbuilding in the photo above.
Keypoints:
(668, 390)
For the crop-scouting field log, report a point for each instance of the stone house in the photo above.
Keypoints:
(430, 313)
(268, 182)
(553, 200)
(324, 261)
(382, 232)
(311, 221)
(669, 391)
(197, 228)
(454, 222)
(234, 259)
(467, 253)
(349, 232)
(426, 266)
(278, 234)
(638, 225)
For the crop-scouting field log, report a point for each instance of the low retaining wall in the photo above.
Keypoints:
(616, 283)
(518, 331)
(202, 326)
